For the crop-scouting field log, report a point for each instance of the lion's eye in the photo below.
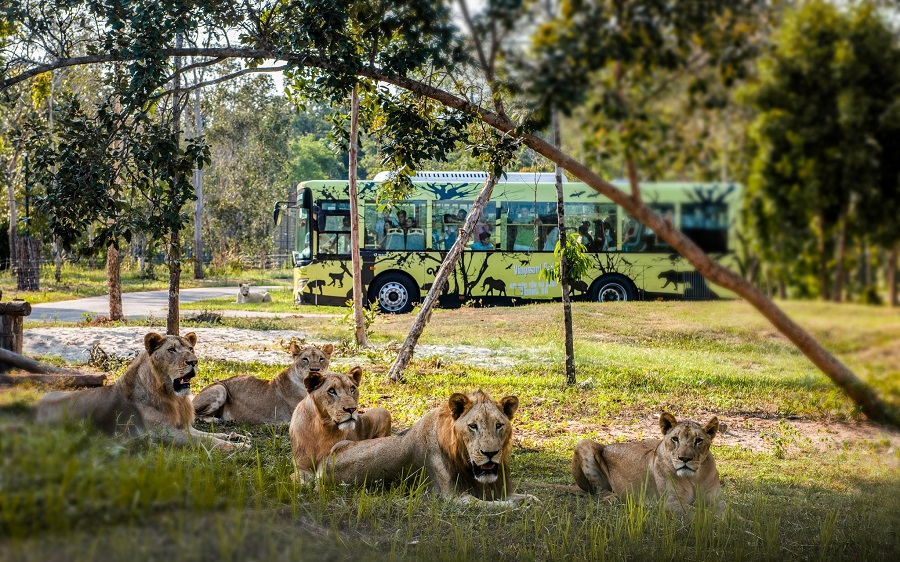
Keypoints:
(473, 426)
(332, 392)
(698, 441)
(321, 360)
(499, 426)
(353, 389)
(172, 350)
(305, 360)
(675, 440)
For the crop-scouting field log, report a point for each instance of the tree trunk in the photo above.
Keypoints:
(838, 288)
(57, 258)
(173, 315)
(28, 263)
(356, 262)
(563, 267)
(440, 279)
(823, 260)
(892, 275)
(114, 281)
(11, 193)
(198, 191)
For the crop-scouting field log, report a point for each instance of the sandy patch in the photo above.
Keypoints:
(221, 344)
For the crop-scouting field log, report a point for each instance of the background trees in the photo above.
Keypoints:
(824, 179)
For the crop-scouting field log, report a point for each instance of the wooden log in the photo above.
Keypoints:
(10, 359)
(77, 381)
(11, 333)
(15, 308)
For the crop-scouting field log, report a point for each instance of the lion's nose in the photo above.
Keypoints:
(192, 363)
(349, 410)
(489, 454)
(684, 459)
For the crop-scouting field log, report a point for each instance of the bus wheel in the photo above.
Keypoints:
(396, 293)
(612, 288)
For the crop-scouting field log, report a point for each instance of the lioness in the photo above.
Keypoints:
(679, 466)
(244, 295)
(464, 446)
(330, 414)
(152, 396)
(250, 399)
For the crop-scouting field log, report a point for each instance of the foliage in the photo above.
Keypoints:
(824, 137)
(578, 263)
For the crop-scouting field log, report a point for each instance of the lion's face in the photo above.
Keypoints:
(311, 358)
(336, 396)
(245, 289)
(686, 443)
(174, 360)
(485, 428)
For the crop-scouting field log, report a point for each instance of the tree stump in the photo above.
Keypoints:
(11, 320)
(28, 263)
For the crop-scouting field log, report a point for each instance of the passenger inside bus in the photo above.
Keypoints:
(382, 225)
(484, 242)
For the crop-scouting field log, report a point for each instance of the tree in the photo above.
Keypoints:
(421, 59)
(826, 124)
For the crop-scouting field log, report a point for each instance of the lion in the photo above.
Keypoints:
(244, 295)
(678, 467)
(328, 415)
(464, 446)
(250, 399)
(152, 397)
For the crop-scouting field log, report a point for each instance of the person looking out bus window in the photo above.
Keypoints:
(382, 225)
(584, 236)
(484, 242)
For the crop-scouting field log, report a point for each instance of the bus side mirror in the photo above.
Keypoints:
(276, 214)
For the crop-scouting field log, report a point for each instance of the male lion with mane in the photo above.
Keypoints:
(464, 446)
(679, 466)
(153, 397)
(250, 399)
(328, 415)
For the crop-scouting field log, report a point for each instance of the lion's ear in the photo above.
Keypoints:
(356, 374)
(712, 427)
(458, 404)
(313, 381)
(294, 348)
(328, 349)
(191, 337)
(153, 341)
(666, 422)
(509, 405)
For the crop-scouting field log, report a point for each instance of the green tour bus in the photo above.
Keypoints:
(403, 246)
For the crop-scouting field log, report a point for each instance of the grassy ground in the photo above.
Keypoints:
(282, 302)
(78, 282)
(805, 494)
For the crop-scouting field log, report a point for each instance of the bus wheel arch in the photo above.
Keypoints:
(612, 287)
(395, 291)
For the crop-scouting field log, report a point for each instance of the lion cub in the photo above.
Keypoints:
(244, 295)
(679, 466)
(330, 414)
(250, 399)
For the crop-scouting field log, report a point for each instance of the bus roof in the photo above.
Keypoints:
(466, 176)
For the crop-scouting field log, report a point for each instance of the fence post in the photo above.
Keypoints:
(11, 320)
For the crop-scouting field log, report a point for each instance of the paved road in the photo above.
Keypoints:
(134, 305)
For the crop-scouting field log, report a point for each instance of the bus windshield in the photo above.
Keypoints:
(302, 252)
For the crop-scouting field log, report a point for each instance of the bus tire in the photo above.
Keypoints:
(395, 292)
(612, 288)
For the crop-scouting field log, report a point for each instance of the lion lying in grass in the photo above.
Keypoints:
(244, 295)
(678, 467)
(330, 414)
(254, 400)
(153, 397)
(463, 445)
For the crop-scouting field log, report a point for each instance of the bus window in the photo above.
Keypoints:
(449, 218)
(334, 227)
(302, 251)
(637, 237)
(398, 227)
(531, 227)
(706, 224)
(594, 223)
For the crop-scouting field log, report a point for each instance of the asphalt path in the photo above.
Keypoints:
(135, 305)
